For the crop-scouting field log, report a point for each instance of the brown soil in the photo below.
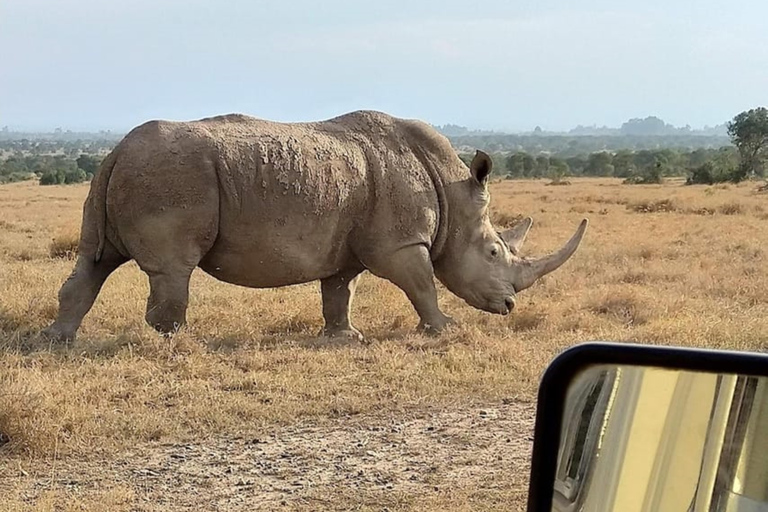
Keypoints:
(475, 457)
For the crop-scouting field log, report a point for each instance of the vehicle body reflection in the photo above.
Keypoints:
(645, 439)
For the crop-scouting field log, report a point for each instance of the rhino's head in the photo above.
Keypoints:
(479, 264)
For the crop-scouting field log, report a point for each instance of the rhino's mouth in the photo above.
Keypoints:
(503, 307)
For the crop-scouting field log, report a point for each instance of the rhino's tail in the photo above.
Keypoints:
(98, 200)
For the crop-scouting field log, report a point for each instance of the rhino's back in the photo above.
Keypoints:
(312, 166)
(305, 199)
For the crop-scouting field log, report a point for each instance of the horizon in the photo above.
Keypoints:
(470, 129)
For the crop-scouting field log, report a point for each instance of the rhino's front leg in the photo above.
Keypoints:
(410, 269)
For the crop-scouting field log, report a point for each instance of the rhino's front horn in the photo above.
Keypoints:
(535, 268)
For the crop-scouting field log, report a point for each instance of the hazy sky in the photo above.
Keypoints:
(502, 64)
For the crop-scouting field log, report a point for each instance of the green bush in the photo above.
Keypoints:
(63, 175)
(74, 176)
(49, 178)
(710, 173)
(15, 176)
(652, 175)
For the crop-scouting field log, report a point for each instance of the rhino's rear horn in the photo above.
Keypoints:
(515, 236)
(535, 268)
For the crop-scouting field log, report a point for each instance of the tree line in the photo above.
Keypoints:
(49, 169)
(574, 145)
(74, 159)
(70, 148)
(744, 158)
(644, 166)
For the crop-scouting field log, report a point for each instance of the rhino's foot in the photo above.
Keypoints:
(437, 326)
(56, 334)
(351, 334)
(166, 326)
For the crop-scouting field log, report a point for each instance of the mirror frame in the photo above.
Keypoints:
(564, 367)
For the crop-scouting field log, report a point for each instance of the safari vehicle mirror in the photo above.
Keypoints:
(631, 428)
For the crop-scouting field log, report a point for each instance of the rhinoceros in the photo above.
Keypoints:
(264, 204)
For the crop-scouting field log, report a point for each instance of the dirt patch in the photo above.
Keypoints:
(381, 462)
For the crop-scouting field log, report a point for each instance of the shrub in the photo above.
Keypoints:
(15, 176)
(76, 175)
(66, 173)
(709, 173)
(662, 205)
(731, 209)
(49, 178)
(649, 176)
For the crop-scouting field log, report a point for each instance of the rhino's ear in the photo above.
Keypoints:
(516, 236)
(481, 167)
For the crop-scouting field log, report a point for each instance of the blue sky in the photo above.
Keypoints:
(499, 64)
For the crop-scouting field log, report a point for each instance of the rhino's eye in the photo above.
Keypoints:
(494, 251)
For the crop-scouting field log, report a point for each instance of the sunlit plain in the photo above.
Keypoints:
(660, 264)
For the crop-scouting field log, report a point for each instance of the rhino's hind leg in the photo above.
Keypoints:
(79, 292)
(169, 267)
(168, 245)
(410, 269)
(338, 292)
(168, 299)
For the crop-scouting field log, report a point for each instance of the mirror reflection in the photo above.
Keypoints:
(639, 439)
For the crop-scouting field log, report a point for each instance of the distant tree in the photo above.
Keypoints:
(655, 173)
(649, 126)
(651, 167)
(726, 157)
(672, 162)
(89, 164)
(749, 133)
(705, 174)
(520, 164)
(599, 164)
(49, 178)
(75, 175)
(644, 159)
(452, 129)
(576, 164)
(566, 146)
(541, 166)
(647, 175)
(558, 168)
(57, 170)
(661, 162)
(718, 167)
(698, 157)
(623, 163)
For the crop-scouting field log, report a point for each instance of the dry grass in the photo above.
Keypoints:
(65, 245)
(653, 268)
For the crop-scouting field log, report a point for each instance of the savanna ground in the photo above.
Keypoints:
(246, 409)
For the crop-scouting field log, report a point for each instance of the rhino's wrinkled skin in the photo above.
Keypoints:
(264, 204)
